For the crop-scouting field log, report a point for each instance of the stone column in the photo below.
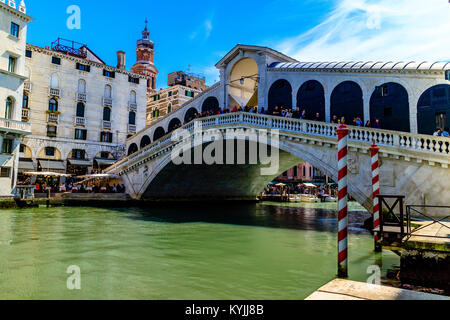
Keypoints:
(366, 104)
(262, 86)
(327, 96)
(413, 101)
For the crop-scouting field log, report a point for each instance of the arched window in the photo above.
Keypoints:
(81, 86)
(106, 114)
(132, 149)
(133, 97)
(9, 108)
(80, 110)
(53, 105)
(132, 118)
(280, 94)
(54, 81)
(108, 91)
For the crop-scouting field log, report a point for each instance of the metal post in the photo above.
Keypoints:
(343, 133)
(374, 150)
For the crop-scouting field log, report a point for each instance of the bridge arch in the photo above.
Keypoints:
(347, 101)
(190, 114)
(433, 109)
(133, 148)
(159, 133)
(145, 141)
(211, 104)
(243, 82)
(311, 97)
(389, 104)
(280, 94)
(173, 124)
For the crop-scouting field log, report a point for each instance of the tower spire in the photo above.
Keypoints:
(146, 33)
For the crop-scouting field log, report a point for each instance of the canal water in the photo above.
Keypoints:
(245, 251)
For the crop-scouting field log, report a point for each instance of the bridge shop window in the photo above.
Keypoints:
(83, 67)
(106, 137)
(78, 154)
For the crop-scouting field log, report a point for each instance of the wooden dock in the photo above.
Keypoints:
(340, 289)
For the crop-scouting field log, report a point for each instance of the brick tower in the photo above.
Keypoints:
(144, 59)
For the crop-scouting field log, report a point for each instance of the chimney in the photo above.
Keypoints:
(121, 60)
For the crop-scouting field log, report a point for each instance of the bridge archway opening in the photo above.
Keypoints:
(133, 148)
(389, 104)
(347, 101)
(280, 94)
(433, 109)
(190, 115)
(145, 141)
(159, 133)
(243, 84)
(174, 124)
(311, 97)
(211, 104)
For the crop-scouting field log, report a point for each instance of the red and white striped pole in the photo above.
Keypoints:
(342, 132)
(374, 149)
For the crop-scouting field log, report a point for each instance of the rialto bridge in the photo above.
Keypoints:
(410, 99)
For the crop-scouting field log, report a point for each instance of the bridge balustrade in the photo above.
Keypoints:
(402, 140)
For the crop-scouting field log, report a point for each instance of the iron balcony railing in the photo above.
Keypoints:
(81, 97)
(132, 128)
(132, 106)
(107, 101)
(106, 124)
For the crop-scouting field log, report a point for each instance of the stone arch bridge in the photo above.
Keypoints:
(411, 164)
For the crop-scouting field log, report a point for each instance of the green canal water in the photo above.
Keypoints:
(246, 251)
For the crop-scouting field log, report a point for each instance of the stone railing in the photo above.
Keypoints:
(132, 106)
(81, 97)
(401, 141)
(132, 128)
(53, 117)
(106, 124)
(80, 121)
(54, 92)
(7, 124)
(107, 102)
(25, 115)
(27, 86)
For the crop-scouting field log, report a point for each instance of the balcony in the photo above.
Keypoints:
(55, 92)
(107, 125)
(15, 126)
(80, 121)
(25, 115)
(27, 86)
(53, 117)
(132, 106)
(81, 97)
(132, 128)
(107, 102)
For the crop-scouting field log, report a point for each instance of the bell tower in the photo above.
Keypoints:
(144, 59)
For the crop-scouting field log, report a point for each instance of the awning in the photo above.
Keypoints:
(81, 163)
(52, 165)
(26, 165)
(105, 162)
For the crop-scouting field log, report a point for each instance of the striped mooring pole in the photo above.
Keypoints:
(374, 149)
(342, 132)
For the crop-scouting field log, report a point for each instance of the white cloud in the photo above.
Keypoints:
(382, 30)
(204, 29)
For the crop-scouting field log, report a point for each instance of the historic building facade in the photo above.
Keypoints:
(13, 33)
(187, 79)
(145, 52)
(165, 101)
(81, 110)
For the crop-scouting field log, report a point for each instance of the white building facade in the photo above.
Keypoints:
(13, 32)
(80, 109)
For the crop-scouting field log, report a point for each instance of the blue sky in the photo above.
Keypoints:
(199, 32)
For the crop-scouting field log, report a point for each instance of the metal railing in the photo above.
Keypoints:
(132, 106)
(80, 121)
(429, 221)
(132, 128)
(81, 97)
(106, 124)
(27, 86)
